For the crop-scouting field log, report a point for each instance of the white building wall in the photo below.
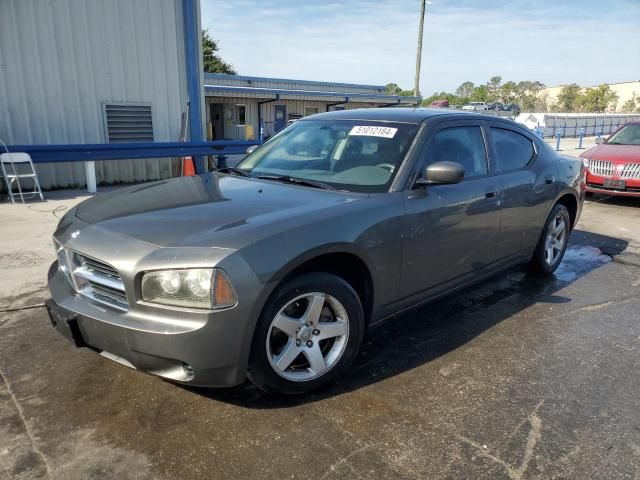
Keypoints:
(59, 60)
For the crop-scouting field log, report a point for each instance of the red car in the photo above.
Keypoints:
(613, 166)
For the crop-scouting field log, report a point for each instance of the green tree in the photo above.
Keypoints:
(481, 94)
(494, 85)
(465, 90)
(567, 100)
(211, 60)
(453, 99)
(395, 89)
(509, 93)
(598, 99)
(527, 96)
(632, 105)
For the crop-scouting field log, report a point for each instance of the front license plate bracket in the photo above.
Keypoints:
(615, 184)
(65, 323)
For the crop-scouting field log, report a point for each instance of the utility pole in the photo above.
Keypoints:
(416, 88)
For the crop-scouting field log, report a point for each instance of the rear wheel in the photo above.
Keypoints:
(553, 242)
(308, 334)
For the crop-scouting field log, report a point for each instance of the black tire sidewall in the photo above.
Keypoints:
(539, 265)
(260, 371)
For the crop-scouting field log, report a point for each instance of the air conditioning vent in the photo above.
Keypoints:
(127, 122)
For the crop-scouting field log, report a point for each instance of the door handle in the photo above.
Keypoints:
(491, 192)
(549, 179)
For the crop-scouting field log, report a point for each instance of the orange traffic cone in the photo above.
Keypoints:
(188, 169)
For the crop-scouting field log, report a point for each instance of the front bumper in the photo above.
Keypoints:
(593, 188)
(596, 184)
(213, 351)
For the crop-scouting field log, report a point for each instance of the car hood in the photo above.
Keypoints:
(205, 210)
(614, 153)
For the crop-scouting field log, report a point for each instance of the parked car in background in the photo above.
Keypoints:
(440, 104)
(273, 270)
(476, 106)
(494, 106)
(613, 165)
(511, 107)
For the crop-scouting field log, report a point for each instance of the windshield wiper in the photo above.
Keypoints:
(235, 170)
(297, 181)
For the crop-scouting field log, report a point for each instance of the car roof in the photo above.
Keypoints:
(401, 114)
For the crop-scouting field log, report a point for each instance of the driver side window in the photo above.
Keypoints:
(463, 145)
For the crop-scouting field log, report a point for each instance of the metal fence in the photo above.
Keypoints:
(593, 124)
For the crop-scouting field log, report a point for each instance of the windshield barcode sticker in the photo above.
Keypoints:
(368, 131)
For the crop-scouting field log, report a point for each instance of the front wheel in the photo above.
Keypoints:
(552, 244)
(308, 335)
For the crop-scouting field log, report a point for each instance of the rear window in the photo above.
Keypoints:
(512, 150)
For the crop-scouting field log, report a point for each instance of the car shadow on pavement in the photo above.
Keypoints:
(428, 332)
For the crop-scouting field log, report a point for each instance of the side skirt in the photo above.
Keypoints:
(457, 288)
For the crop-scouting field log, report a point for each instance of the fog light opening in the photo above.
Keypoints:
(188, 371)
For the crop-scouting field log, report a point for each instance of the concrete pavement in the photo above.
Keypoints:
(517, 378)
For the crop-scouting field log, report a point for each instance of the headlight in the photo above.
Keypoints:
(585, 162)
(193, 288)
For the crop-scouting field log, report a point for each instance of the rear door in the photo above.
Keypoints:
(528, 187)
(450, 231)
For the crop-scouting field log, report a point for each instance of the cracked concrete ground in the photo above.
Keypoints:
(516, 378)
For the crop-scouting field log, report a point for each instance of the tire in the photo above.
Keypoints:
(300, 321)
(552, 244)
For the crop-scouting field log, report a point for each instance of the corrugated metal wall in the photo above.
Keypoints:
(59, 60)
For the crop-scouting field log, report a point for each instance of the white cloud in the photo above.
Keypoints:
(374, 42)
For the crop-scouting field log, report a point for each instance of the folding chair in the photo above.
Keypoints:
(9, 162)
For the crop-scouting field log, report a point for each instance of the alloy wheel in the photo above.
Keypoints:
(555, 241)
(307, 337)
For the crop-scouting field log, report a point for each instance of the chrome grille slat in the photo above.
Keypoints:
(601, 168)
(95, 276)
(631, 171)
(100, 267)
(98, 281)
(108, 295)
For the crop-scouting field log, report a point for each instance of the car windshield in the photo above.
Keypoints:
(353, 155)
(627, 135)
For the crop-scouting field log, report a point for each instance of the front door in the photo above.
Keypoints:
(450, 231)
(280, 120)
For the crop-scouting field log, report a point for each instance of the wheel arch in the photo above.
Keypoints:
(339, 260)
(570, 201)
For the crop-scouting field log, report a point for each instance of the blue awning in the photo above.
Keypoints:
(280, 93)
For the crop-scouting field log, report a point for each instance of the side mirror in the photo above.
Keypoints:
(599, 140)
(442, 173)
(251, 149)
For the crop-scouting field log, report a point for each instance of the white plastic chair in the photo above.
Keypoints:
(9, 162)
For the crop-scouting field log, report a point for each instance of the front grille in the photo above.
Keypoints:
(601, 168)
(98, 281)
(631, 171)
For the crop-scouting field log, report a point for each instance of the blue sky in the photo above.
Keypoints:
(374, 41)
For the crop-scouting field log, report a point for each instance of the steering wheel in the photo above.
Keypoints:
(387, 166)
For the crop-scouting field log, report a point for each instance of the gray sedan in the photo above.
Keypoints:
(273, 270)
